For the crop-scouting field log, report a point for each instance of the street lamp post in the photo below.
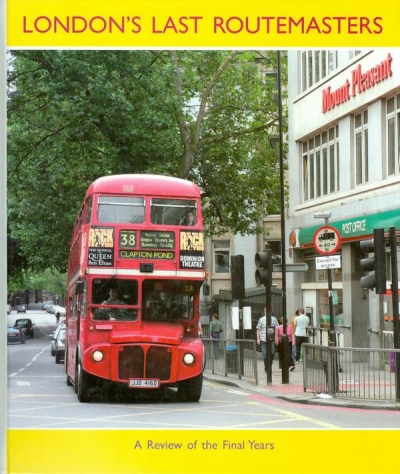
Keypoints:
(332, 339)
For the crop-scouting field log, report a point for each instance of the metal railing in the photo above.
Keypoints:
(355, 373)
(236, 357)
(320, 336)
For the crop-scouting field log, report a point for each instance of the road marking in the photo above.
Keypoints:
(238, 392)
(296, 416)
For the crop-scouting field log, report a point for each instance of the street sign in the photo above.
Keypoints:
(290, 267)
(326, 240)
(331, 261)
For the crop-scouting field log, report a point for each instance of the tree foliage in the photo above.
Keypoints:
(50, 280)
(73, 116)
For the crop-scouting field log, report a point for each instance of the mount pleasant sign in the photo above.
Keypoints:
(360, 81)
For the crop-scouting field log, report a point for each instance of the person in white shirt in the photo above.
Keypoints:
(301, 324)
(262, 336)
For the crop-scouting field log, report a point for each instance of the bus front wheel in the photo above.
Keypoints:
(81, 383)
(190, 390)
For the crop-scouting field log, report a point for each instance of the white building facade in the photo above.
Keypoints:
(344, 158)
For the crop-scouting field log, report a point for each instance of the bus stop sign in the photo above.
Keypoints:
(326, 240)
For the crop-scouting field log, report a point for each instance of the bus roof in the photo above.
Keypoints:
(144, 184)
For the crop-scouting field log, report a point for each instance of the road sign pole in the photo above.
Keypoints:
(327, 242)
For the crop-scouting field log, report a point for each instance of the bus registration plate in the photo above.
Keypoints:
(144, 383)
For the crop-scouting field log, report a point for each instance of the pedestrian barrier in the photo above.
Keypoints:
(348, 372)
(234, 357)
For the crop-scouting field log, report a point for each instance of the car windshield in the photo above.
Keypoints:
(22, 322)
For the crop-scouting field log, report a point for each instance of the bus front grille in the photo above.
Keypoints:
(133, 363)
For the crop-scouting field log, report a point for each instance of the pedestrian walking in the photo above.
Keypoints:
(296, 313)
(262, 331)
(279, 334)
(216, 329)
(301, 324)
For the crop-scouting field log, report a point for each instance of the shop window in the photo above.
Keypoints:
(323, 311)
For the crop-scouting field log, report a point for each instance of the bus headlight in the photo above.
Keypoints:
(98, 356)
(188, 359)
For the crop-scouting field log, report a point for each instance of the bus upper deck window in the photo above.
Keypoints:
(124, 210)
(172, 211)
(189, 218)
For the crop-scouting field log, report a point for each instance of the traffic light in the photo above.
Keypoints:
(237, 277)
(376, 263)
(263, 261)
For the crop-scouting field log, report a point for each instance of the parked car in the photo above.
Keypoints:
(8, 309)
(58, 309)
(21, 308)
(59, 345)
(26, 325)
(15, 335)
(53, 337)
(47, 304)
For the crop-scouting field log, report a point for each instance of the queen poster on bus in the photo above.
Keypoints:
(101, 247)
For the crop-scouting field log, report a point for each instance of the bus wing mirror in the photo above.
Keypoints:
(79, 287)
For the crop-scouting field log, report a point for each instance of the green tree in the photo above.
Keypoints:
(50, 280)
(208, 116)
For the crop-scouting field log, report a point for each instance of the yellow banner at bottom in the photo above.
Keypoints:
(200, 451)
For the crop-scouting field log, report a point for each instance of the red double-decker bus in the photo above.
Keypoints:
(135, 269)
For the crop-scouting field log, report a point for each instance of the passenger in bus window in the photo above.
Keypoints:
(189, 218)
(113, 299)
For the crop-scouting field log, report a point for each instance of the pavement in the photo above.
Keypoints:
(294, 390)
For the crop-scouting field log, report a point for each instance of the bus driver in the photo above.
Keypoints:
(113, 299)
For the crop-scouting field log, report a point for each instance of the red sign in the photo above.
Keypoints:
(326, 240)
(360, 81)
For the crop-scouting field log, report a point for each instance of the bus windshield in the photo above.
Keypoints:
(168, 300)
(111, 293)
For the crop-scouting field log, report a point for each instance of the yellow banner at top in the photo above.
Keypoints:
(202, 24)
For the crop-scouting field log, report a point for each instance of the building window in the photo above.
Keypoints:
(221, 251)
(315, 65)
(361, 147)
(276, 248)
(393, 135)
(321, 164)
